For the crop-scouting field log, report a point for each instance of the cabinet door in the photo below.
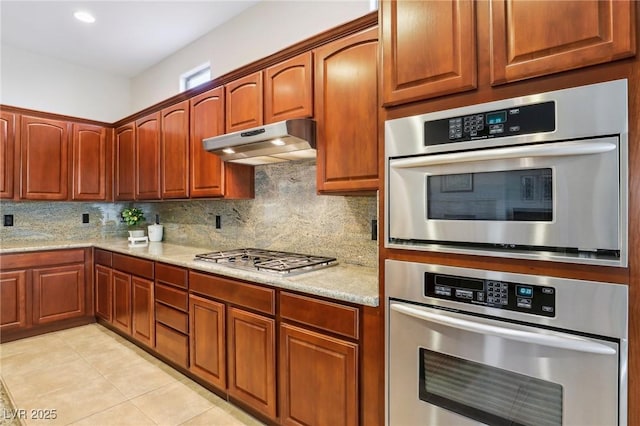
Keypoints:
(428, 49)
(535, 38)
(104, 292)
(125, 164)
(175, 151)
(318, 378)
(58, 293)
(288, 89)
(7, 152)
(122, 301)
(44, 148)
(244, 103)
(143, 318)
(13, 299)
(251, 359)
(207, 120)
(346, 112)
(89, 162)
(207, 340)
(148, 157)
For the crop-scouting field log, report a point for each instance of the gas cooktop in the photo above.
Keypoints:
(280, 262)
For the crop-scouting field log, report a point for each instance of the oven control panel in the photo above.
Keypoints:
(519, 120)
(531, 299)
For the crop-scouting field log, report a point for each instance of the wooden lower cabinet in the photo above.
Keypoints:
(318, 378)
(104, 292)
(122, 301)
(13, 299)
(207, 342)
(58, 293)
(142, 311)
(172, 344)
(251, 359)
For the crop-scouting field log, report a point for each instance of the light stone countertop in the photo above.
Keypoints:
(345, 282)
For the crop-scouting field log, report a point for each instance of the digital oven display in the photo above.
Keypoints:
(497, 117)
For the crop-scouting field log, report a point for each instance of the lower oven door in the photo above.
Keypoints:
(447, 368)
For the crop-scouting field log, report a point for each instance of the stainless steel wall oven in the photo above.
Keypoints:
(468, 347)
(540, 177)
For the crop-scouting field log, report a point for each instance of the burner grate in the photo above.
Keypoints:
(268, 260)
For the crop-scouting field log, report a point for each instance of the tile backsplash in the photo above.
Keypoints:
(286, 214)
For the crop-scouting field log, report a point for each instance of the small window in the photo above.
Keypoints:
(195, 77)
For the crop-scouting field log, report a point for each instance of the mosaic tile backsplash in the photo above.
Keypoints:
(286, 214)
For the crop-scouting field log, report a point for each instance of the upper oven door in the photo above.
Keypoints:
(539, 195)
(447, 368)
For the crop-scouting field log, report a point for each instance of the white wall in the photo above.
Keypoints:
(260, 31)
(42, 83)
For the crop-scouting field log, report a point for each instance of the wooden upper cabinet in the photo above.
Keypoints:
(7, 152)
(428, 49)
(207, 120)
(175, 151)
(244, 103)
(210, 177)
(534, 38)
(89, 162)
(125, 164)
(148, 157)
(288, 89)
(44, 145)
(346, 110)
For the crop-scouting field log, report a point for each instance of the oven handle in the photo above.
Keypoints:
(557, 340)
(557, 149)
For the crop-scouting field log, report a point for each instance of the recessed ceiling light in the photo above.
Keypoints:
(84, 16)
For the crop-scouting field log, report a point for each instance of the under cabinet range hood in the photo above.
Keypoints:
(273, 143)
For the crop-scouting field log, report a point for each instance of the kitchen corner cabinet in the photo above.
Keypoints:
(7, 153)
(428, 49)
(147, 157)
(346, 110)
(535, 38)
(318, 362)
(288, 89)
(44, 291)
(210, 176)
(175, 151)
(90, 162)
(44, 156)
(244, 107)
(125, 164)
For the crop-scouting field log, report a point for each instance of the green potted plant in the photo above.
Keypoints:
(133, 216)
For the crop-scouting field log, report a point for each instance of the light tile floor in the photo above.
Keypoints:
(92, 376)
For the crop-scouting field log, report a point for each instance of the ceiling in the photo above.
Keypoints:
(127, 38)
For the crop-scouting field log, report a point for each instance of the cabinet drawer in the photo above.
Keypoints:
(173, 297)
(133, 265)
(340, 319)
(172, 344)
(172, 275)
(250, 296)
(172, 317)
(102, 257)
(41, 258)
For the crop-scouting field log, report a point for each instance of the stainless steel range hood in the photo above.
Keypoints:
(273, 143)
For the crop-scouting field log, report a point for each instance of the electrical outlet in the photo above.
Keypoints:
(85, 217)
(8, 220)
(374, 229)
(218, 222)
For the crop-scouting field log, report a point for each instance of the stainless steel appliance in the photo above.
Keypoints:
(541, 177)
(272, 143)
(469, 347)
(279, 262)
